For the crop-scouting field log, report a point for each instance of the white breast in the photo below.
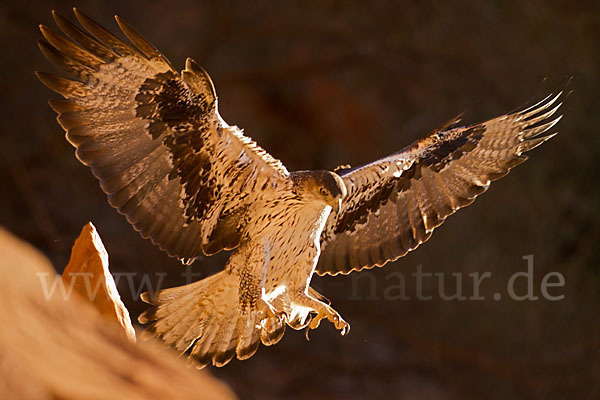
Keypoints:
(294, 245)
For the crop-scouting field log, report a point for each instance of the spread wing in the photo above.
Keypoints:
(154, 138)
(394, 203)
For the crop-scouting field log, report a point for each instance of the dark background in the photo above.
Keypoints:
(322, 83)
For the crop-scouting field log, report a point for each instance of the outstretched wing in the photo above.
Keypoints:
(394, 203)
(154, 138)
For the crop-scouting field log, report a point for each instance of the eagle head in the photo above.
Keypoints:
(324, 186)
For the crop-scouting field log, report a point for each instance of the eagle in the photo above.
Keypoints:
(195, 185)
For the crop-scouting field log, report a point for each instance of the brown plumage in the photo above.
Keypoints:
(394, 203)
(195, 185)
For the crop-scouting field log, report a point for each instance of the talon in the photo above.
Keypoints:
(270, 312)
(345, 329)
(282, 316)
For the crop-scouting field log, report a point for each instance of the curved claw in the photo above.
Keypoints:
(283, 316)
(313, 324)
(345, 329)
(335, 319)
(342, 326)
(270, 313)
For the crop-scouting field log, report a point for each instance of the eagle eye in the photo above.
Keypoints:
(323, 191)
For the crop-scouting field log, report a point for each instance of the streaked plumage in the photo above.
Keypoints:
(393, 204)
(195, 185)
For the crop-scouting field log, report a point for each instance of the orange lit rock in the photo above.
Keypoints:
(54, 348)
(87, 272)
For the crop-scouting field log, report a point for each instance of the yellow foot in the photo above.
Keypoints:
(332, 316)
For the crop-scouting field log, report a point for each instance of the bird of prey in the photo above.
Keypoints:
(195, 185)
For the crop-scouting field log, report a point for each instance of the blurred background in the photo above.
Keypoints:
(323, 83)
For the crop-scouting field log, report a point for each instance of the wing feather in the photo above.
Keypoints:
(154, 138)
(394, 204)
(89, 43)
(102, 35)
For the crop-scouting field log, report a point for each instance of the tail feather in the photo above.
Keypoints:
(181, 335)
(272, 333)
(249, 339)
(205, 317)
(225, 344)
(183, 343)
(202, 348)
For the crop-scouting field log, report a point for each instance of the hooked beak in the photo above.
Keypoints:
(337, 205)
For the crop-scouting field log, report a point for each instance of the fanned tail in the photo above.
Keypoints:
(206, 319)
